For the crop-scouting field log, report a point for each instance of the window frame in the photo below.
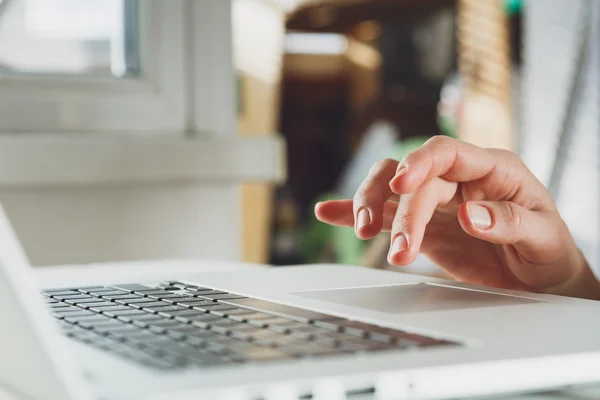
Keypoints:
(152, 102)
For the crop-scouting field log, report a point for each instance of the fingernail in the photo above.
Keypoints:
(479, 215)
(364, 218)
(401, 169)
(400, 243)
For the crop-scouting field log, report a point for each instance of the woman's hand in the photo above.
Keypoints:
(478, 213)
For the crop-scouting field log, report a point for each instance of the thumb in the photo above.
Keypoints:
(536, 235)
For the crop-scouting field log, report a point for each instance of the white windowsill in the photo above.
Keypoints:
(34, 160)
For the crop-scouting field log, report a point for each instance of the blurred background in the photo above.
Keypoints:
(149, 130)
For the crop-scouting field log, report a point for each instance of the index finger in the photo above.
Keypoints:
(458, 161)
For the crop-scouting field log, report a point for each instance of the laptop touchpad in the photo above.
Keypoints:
(410, 298)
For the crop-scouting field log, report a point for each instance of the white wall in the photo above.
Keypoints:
(97, 224)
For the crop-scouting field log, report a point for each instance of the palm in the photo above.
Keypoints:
(464, 257)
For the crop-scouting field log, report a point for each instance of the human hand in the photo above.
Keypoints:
(480, 214)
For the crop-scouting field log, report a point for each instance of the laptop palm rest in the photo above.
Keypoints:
(412, 298)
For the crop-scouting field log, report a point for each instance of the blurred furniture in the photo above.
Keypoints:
(394, 67)
(258, 28)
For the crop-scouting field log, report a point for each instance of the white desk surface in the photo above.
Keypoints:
(185, 270)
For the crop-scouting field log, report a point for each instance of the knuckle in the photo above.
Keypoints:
(381, 165)
(513, 218)
(508, 155)
(439, 140)
(367, 193)
(402, 221)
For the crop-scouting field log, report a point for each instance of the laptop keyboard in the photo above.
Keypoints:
(177, 325)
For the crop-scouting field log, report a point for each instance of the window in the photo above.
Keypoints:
(94, 37)
(106, 69)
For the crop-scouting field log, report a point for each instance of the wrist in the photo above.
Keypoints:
(583, 282)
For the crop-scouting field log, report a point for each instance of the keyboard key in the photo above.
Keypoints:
(147, 317)
(82, 301)
(263, 354)
(239, 312)
(127, 313)
(162, 326)
(108, 293)
(284, 328)
(162, 309)
(358, 344)
(418, 340)
(152, 292)
(203, 317)
(381, 335)
(122, 330)
(306, 332)
(307, 349)
(182, 313)
(165, 295)
(114, 307)
(74, 296)
(61, 292)
(176, 283)
(142, 335)
(169, 315)
(86, 323)
(95, 289)
(223, 326)
(169, 287)
(122, 297)
(136, 301)
(215, 307)
(243, 332)
(152, 303)
(326, 341)
(71, 313)
(195, 303)
(280, 310)
(259, 317)
(204, 324)
(225, 296)
(261, 334)
(278, 322)
(356, 328)
(104, 329)
(205, 359)
(287, 341)
(192, 330)
(177, 299)
(58, 305)
(97, 304)
(205, 291)
(332, 324)
(197, 288)
(132, 287)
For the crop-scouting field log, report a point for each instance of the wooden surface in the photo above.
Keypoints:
(343, 15)
(258, 42)
(485, 67)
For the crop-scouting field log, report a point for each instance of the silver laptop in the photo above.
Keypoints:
(270, 333)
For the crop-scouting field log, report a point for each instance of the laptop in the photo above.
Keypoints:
(319, 331)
